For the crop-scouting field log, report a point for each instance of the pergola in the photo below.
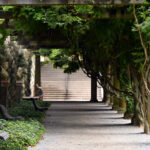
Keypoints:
(51, 40)
(69, 2)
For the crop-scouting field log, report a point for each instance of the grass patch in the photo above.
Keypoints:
(23, 133)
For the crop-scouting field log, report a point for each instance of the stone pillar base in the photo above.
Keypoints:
(3, 92)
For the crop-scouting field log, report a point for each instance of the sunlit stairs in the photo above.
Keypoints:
(58, 86)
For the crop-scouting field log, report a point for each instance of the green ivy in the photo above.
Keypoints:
(23, 133)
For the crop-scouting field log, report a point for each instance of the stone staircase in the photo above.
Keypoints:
(58, 86)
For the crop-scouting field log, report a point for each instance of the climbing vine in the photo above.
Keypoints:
(109, 49)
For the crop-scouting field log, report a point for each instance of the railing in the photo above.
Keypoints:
(66, 85)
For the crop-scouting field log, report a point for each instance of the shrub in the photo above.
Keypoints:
(23, 133)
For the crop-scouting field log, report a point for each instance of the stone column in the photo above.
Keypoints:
(148, 115)
(115, 99)
(3, 92)
(0, 83)
(37, 71)
(122, 106)
(19, 91)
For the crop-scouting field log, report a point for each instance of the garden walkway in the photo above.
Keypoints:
(89, 126)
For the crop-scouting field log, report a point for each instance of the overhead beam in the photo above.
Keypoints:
(45, 43)
(67, 2)
(115, 13)
(33, 45)
(107, 13)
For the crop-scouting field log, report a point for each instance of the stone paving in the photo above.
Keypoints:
(89, 126)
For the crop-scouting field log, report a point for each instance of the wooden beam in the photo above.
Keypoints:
(115, 13)
(34, 45)
(67, 2)
(54, 39)
(107, 13)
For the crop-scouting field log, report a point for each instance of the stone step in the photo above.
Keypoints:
(66, 97)
(54, 85)
(47, 94)
(69, 91)
(73, 95)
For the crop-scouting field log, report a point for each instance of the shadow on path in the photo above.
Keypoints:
(90, 126)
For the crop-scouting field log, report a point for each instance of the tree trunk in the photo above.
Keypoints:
(112, 97)
(138, 117)
(145, 100)
(148, 114)
(106, 98)
(93, 89)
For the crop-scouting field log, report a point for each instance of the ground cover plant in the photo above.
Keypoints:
(23, 133)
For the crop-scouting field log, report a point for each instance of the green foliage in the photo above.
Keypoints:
(23, 133)
(44, 52)
(3, 34)
(7, 8)
(62, 58)
(96, 43)
(130, 108)
(129, 100)
(143, 16)
(34, 20)
(27, 110)
(84, 9)
(144, 21)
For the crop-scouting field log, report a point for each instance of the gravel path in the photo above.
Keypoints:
(89, 126)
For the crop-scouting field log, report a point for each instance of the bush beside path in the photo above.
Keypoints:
(23, 133)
